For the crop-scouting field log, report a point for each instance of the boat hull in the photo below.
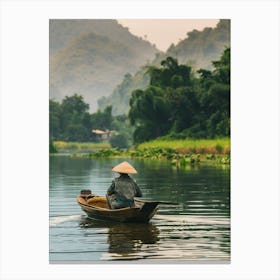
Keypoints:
(142, 212)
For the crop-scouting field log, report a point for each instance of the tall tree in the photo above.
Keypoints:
(54, 119)
(73, 117)
(149, 113)
(215, 100)
(102, 119)
(168, 102)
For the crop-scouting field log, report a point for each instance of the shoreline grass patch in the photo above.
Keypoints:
(187, 146)
(63, 146)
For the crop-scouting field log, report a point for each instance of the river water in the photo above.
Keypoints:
(195, 230)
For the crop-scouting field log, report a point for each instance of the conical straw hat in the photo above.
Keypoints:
(124, 167)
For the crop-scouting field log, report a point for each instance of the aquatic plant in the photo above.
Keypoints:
(105, 153)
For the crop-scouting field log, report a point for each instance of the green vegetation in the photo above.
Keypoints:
(181, 159)
(62, 146)
(198, 146)
(71, 121)
(180, 153)
(52, 148)
(186, 152)
(119, 141)
(181, 104)
(107, 153)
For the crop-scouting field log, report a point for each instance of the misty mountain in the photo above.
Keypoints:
(198, 50)
(91, 57)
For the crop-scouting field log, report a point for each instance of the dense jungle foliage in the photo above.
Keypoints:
(180, 103)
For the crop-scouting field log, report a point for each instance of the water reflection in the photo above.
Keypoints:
(125, 240)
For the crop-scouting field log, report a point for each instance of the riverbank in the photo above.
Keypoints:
(187, 151)
(178, 152)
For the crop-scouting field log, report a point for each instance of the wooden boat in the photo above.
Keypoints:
(96, 207)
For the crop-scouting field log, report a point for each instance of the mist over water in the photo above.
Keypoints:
(195, 230)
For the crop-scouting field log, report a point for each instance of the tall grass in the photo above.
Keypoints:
(199, 146)
(80, 146)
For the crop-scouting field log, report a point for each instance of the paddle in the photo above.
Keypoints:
(153, 201)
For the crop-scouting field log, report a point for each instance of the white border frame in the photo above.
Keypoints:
(255, 137)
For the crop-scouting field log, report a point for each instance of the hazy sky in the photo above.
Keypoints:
(164, 32)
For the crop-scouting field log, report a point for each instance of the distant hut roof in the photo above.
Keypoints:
(98, 131)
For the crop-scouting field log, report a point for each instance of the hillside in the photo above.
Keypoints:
(91, 57)
(198, 50)
(201, 47)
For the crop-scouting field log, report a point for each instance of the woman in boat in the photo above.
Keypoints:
(123, 189)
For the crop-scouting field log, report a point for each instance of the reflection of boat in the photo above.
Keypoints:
(125, 240)
(96, 207)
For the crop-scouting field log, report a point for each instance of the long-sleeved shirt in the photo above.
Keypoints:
(122, 191)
